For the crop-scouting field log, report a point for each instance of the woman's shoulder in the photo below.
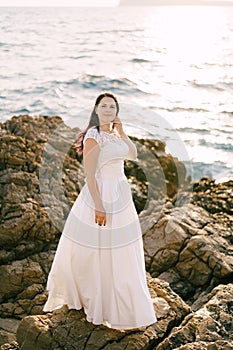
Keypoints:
(92, 133)
(93, 129)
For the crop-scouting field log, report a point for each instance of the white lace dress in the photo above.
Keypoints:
(101, 268)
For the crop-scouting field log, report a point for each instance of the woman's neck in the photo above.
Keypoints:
(105, 128)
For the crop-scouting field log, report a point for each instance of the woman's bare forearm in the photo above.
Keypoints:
(94, 191)
(91, 154)
(132, 148)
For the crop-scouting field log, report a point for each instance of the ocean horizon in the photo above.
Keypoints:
(170, 67)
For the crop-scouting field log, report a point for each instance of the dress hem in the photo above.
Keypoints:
(104, 322)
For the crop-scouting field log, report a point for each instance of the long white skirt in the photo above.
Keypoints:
(95, 270)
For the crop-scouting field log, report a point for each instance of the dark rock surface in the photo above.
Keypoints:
(210, 327)
(58, 330)
(189, 245)
(8, 329)
(187, 232)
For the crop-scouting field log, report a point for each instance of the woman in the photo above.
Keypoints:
(99, 263)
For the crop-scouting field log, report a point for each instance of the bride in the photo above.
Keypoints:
(99, 263)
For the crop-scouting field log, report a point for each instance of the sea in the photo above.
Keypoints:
(171, 68)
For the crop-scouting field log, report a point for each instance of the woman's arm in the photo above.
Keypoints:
(132, 154)
(90, 157)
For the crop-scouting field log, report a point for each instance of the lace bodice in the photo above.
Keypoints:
(102, 136)
(113, 151)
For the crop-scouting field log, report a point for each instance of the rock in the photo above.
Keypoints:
(156, 175)
(208, 328)
(17, 276)
(23, 292)
(214, 197)
(189, 247)
(217, 345)
(68, 329)
(8, 329)
(187, 233)
(10, 346)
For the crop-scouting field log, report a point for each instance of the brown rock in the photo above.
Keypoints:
(214, 197)
(23, 293)
(189, 248)
(17, 276)
(8, 329)
(69, 329)
(10, 346)
(187, 237)
(210, 327)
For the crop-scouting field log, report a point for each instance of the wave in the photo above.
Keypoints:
(219, 86)
(228, 85)
(180, 109)
(223, 146)
(36, 103)
(206, 86)
(35, 90)
(216, 170)
(77, 57)
(23, 111)
(192, 130)
(227, 112)
(113, 31)
(100, 82)
(139, 60)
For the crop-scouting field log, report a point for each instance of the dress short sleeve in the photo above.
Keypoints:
(91, 134)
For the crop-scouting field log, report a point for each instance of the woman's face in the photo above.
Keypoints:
(106, 110)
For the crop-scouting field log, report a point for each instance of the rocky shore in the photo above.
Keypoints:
(187, 233)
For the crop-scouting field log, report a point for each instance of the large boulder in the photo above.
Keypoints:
(23, 290)
(8, 329)
(35, 193)
(189, 246)
(209, 328)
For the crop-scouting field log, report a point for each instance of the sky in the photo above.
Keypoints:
(55, 3)
(175, 2)
(87, 3)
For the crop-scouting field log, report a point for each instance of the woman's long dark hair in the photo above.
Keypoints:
(93, 121)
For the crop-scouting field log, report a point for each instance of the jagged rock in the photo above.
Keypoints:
(23, 290)
(214, 197)
(188, 246)
(8, 329)
(29, 183)
(208, 328)
(187, 230)
(68, 329)
(10, 346)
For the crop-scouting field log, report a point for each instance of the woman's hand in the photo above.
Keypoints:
(118, 125)
(100, 217)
